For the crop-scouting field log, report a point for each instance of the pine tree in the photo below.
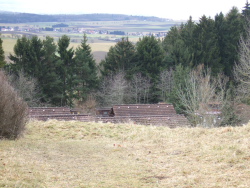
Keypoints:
(187, 35)
(2, 57)
(178, 45)
(66, 71)
(206, 45)
(20, 59)
(246, 10)
(120, 58)
(56, 75)
(150, 62)
(50, 84)
(86, 75)
(28, 55)
(174, 47)
(234, 29)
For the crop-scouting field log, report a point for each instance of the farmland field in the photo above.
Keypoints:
(76, 154)
(100, 43)
(99, 48)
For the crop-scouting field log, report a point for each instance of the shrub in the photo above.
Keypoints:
(26, 88)
(13, 110)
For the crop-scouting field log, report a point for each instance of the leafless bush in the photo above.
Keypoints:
(242, 68)
(201, 94)
(26, 87)
(166, 83)
(140, 86)
(13, 111)
(114, 90)
(89, 105)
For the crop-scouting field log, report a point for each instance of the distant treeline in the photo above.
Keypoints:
(60, 25)
(117, 32)
(26, 17)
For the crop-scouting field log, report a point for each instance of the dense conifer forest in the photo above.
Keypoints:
(10, 17)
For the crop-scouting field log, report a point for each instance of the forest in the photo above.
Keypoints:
(197, 65)
(11, 17)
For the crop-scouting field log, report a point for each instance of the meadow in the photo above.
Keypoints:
(75, 154)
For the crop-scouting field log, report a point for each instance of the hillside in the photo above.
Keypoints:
(11, 17)
(75, 154)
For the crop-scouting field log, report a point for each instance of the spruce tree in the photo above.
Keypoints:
(150, 62)
(246, 10)
(66, 71)
(234, 29)
(178, 45)
(206, 45)
(120, 58)
(50, 84)
(2, 57)
(86, 70)
(21, 57)
(174, 47)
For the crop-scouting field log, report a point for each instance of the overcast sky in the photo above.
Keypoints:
(174, 9)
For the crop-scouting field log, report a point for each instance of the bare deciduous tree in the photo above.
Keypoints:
(118, 88)
(166, 83)
(136, 84)
(146, 88)
(242, 68)
(13, 111)
(114, 90)
(26, 87)
(140, 86)
(200, 94)
(88, 106)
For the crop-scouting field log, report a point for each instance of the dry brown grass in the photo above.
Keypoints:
(8, 46)
(76, 154)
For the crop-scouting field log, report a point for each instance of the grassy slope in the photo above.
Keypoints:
(75, 154)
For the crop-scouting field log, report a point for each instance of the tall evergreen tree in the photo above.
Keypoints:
(50, 84)
(206, 47)
(37, 59)
(246, 10)
(86, 68)
(2, 57)
(174, 47)
(187, 35)
(120, 58)
(150, 62)
(66, 71)
(234, 29)
(178, 45)
(21, 57)
(28, 55)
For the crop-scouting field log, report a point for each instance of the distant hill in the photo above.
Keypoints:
(12, 17)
